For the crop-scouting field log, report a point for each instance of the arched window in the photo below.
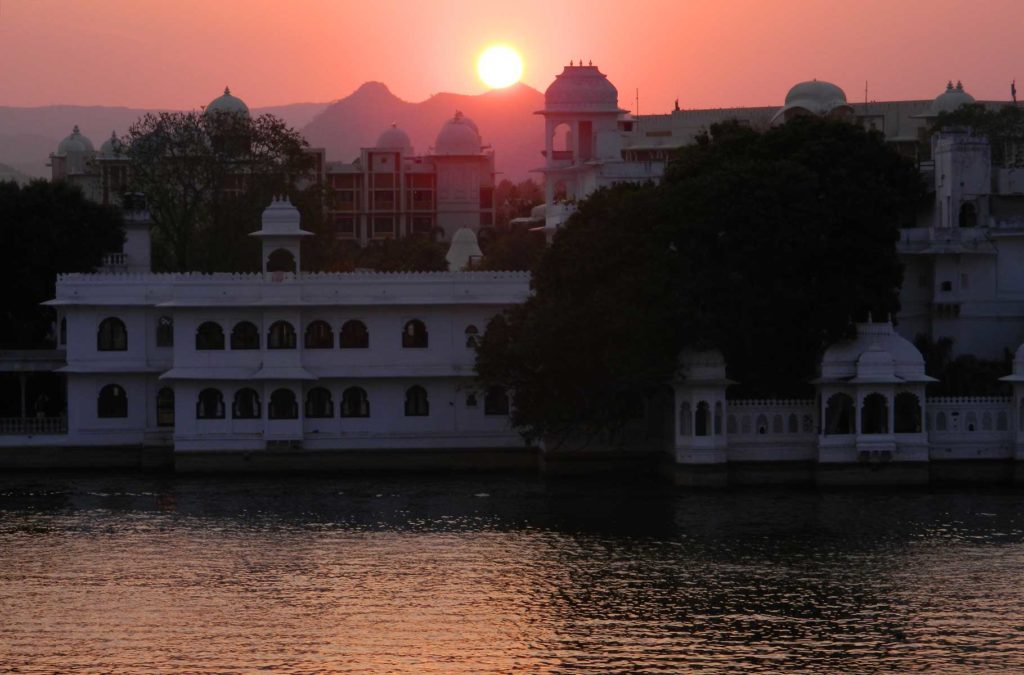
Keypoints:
(165, 332)
(281, 336)
(874, 414)
(245, 335)
(972, 421)
(792, 424)
(496, 401)
(414, 335)
(416, 403)
(210, 405)
(281, 260)
(762, 424)
(685, 419)
(246, 405)
(283, 405)
(319, 335)
(210, 336)
(354, 335)
(731, 425)
(472, 337)
(718, 418)
(808, 424)
(839, 415)
(319, 403)
(471, 400)
(777, 424)
(165, 407)
(702, 421)
(112, 336)
(354, 403)
(907, 409)
(940, 421)
(112, 402)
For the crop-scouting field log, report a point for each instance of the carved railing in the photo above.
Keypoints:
(31, 426)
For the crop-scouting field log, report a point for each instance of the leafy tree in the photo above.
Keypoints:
(48, 229)
(515, 200)
(764, 245)
(965, 375)
(407, 254)
(207, 179)
(1004, 128)
(511, 249)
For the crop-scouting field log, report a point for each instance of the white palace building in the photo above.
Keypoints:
(310, 370)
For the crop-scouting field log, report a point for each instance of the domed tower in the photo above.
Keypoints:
(395, 138)
(281, 236)
(949, 100)
(464, 169)
(814, 98)
(872, 397)
(700, 408)
(227, 103)
(581, 113)
(73, 157)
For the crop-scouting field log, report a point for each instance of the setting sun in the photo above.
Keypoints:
(499, 66)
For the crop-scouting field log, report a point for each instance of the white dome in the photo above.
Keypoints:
(458, 136)
(876, 344)
(395, 139)
(464, 249)
(581, 89)
(815, 98)
(112, 147)
(74, 142)
(949, 100)
(228, 104)
(702, 366)
(281, 218)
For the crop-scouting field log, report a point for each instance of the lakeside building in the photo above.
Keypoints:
(286, 368)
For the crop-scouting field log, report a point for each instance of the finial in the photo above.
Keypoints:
(959, 85)
(227, 91)
(75, 130)
(949, 85)
(458, 114)
(590, 63)
(570, 62)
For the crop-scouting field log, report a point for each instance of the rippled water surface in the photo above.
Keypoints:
(419, 574)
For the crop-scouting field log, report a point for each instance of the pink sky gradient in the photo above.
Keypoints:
(706, 53)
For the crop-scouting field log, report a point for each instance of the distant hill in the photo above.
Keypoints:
(504, 116)
(10, 173)
(29, 135)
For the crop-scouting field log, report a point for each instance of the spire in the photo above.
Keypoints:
(227, 91)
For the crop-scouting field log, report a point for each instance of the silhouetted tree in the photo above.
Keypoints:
(48, 229)
(1004, 128)
(207, 179)
(763, 245)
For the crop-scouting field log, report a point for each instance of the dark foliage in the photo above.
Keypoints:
(764, 245)
(48, 229)
(964, 375)
(1004, 128)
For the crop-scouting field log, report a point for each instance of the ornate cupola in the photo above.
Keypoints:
(281, 236)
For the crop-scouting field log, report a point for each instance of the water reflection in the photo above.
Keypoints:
(484, 574)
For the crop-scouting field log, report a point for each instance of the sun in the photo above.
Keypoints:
(499, 66)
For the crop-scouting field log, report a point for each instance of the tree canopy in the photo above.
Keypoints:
(1004, 128)
(762, 244)
(207, 179)
(48, 229)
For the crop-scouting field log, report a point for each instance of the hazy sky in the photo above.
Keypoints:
(706, 53)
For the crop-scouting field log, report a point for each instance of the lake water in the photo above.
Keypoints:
(422, 574)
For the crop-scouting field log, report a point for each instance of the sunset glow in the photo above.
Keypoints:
(499, 66)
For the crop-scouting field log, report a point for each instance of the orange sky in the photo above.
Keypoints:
(706, 53)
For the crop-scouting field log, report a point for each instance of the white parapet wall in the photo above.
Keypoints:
(970, 427)
(772, 430)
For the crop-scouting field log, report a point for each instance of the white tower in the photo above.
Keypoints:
(281, 236)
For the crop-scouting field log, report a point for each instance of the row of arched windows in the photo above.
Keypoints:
(874, 414)
(701, 418)
(113, 402)
(972, 423)
(113, 336)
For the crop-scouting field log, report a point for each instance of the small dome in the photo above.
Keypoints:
(112, 147)
(395, 139)
(539, 211)
(464, 249)
(949, 100)
(702, 366)
(815, 97)
(228, 104)
(75, 142)
(875, 344)
(581, 89)
(458, 136)
(281, 217)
